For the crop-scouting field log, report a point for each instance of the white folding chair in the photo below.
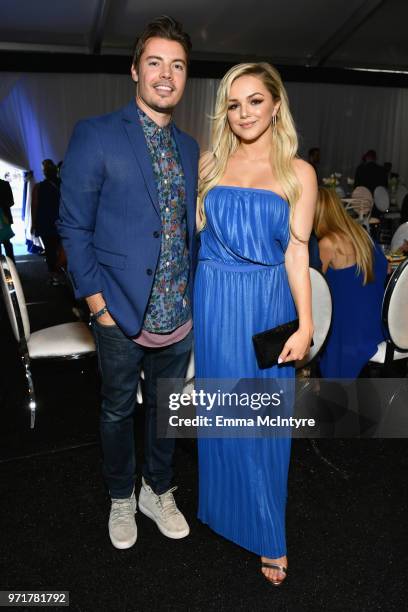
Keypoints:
(322, 309)
(362, 210)
(393, 422)
(381, 199)
(360, 205)
(399, 236)
(322, 315)
(362, 193)
(66, 341)
(395, 318)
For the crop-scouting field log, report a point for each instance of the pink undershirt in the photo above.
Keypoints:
(151, 340)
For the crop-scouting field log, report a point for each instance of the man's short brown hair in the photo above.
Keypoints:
(162, 27)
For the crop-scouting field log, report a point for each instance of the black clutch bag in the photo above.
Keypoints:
(269, 344)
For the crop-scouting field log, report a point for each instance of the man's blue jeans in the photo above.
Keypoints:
(120, 360)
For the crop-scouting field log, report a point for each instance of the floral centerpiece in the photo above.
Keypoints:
(332, 181)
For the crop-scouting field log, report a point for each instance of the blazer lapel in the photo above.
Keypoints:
(137, 139)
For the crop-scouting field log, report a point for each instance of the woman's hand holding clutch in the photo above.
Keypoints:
(297, 346)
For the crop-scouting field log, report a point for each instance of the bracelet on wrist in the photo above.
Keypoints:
(99, 313)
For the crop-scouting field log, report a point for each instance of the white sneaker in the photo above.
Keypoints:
(122, 524)
(163, 510)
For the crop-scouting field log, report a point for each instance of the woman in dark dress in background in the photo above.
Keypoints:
(356, 270)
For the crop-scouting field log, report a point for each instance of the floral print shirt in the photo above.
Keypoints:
(169, 303)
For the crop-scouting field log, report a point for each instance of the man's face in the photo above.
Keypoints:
(161, 75)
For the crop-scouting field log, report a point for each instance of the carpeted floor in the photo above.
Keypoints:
(346, 520)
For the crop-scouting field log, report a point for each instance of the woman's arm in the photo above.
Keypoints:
(297, 263)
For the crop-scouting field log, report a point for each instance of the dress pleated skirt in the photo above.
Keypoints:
(242, 481)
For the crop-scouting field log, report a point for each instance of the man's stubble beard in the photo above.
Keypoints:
(165, 110)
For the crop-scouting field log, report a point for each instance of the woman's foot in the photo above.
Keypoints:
(275, 575)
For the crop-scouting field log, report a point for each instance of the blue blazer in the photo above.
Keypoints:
(110, 220)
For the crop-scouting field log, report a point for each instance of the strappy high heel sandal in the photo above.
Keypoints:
(281, 568)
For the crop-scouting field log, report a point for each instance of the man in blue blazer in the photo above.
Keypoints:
(127, 221)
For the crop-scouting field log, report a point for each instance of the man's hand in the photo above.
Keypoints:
(95, 303)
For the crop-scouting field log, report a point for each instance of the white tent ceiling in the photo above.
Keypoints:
(332, 33)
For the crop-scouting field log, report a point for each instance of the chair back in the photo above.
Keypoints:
(395, 307)
(381, 198)
(362, 193)
(322, 314)
(402, 192)
(399, 236)
(14, 299)
(361, 203)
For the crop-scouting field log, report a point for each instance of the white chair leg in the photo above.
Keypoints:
(32, 403)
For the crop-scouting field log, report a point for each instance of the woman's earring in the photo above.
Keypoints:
(274, 121)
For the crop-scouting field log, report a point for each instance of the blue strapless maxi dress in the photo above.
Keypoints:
(242, 288)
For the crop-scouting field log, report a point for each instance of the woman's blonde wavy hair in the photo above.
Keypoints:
(224, 142)
(331, 219)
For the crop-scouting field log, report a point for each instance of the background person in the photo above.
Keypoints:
(356, 270)
(6, 218)
(370, 174)
(44, 211)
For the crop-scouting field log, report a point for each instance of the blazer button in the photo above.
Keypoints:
(156, 234)
(149, 271)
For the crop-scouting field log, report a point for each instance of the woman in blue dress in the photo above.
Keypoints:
(356, 270)
(255, 215)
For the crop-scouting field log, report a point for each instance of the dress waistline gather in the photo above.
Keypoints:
(239, 267)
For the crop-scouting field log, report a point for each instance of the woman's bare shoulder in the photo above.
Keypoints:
(327, 250)
(328, 242)
(304, 171)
